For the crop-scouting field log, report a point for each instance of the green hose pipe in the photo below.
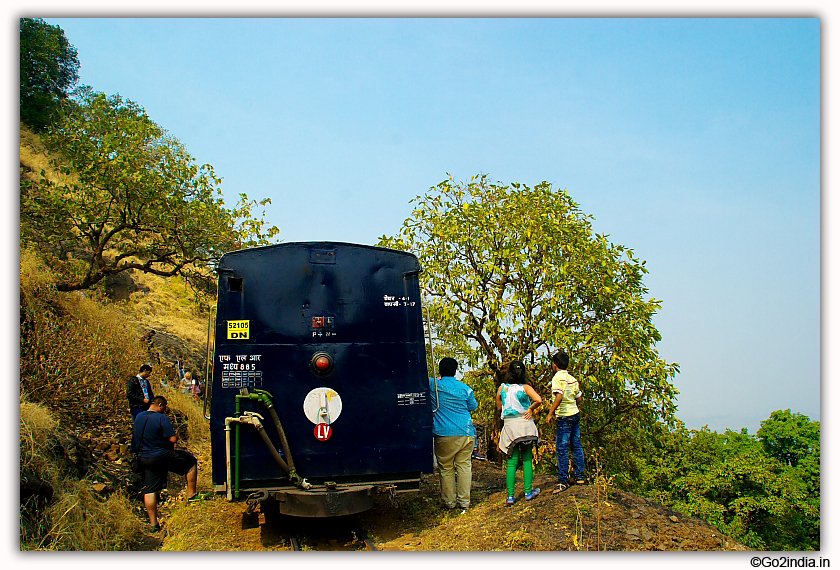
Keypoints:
(238, 411)
(284, 443)
(265, 398)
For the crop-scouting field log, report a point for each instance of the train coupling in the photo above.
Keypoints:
(254, 499)
(391, 490)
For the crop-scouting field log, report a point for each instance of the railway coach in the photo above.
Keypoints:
(319, 397)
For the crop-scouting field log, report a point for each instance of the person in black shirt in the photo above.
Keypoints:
(154, 442)
(138, 391)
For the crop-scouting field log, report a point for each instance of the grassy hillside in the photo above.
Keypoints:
(59, 511)
(76, 352)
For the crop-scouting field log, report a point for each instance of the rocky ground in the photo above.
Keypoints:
(584, 517)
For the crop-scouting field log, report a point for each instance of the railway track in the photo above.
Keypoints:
(321, 534)
(368, 542)
(360, 533)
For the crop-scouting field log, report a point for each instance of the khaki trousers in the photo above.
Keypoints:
(454, 458)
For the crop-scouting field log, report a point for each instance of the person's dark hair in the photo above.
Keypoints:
(561, 359)
(516, 373)
(447, 366)
(159, 400)
(145, 367)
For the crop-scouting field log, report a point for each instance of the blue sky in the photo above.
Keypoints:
(695, 142)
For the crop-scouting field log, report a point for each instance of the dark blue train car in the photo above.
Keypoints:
(319, 395)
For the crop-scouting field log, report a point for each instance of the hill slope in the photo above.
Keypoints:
(567, 521)
(587, 517)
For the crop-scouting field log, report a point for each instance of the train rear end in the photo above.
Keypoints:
(319, 395)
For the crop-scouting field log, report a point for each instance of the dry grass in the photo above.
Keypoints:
(76, 518)
(197, 426)
(170, 305)
(80, 520)
(34, 155)
(75, 352)
(38, 431)
(215, 525)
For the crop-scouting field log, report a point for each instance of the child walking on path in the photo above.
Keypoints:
(518, 401)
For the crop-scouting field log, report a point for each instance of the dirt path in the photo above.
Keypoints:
(581, 518)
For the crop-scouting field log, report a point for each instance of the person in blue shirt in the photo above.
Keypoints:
(154, 442)
(454, 433)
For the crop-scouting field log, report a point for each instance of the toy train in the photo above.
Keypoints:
(319, 397)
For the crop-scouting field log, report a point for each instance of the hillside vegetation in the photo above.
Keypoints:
(77, 351)
(79, 347)
(120, 229)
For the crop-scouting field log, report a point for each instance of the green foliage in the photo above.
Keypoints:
(729, 480)
(794, 439)
(49, 68)
(515, 272)
(790, 438)
(131, 197)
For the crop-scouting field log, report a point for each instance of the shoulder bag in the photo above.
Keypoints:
(136, 466)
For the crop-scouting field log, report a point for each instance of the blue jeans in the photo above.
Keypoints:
(568, 431)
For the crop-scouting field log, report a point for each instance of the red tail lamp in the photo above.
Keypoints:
(322, 363)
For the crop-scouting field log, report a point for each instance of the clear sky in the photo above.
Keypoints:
(695, 142)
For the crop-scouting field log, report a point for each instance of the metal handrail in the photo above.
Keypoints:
(432, 351)
(208, 368)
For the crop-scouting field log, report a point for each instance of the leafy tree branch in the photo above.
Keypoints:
(129, 196)
(516, 272)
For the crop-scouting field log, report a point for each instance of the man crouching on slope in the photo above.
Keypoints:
(154, 442)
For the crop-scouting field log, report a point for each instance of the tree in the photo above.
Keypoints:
(794, 440)
(514, 272)
(731, 481)
(49, 69)
(790, 438)
(129, 197)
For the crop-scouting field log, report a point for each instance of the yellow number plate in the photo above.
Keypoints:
(238, 330)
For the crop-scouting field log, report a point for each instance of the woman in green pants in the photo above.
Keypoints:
(518, 401)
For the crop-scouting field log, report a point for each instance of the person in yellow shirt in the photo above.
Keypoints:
(567, 399)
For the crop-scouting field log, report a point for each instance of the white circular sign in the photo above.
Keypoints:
(322, 405)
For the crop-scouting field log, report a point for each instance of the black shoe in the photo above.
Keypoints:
(559, 488)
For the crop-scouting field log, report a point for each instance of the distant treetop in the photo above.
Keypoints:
(49, 69)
